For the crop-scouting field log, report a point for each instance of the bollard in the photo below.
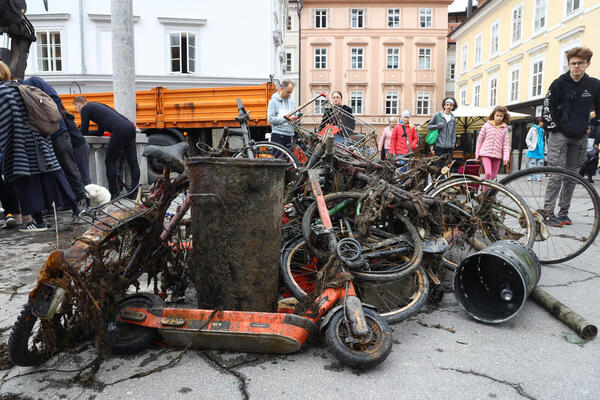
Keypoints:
(492, 285)
(236, 230)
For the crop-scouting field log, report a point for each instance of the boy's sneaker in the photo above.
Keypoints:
(33, 227)
(11, 221)
(553, 221)
(564, 219)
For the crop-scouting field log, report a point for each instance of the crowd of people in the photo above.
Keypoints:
(41, 174)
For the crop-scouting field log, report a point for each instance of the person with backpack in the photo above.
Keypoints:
(122, 139)
(445, 123)
(566, 111)
(61, 143)
(28, 160)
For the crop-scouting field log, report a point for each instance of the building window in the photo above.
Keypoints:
(320, 57)
(572, 6)
(515, 79)
(477, 55)
(476, 94)
(391, 103)
(321, 18)
(425, 17)
(320, 103)
(451, 71)
(288, 62)
(357, 57)
(424, 58)
(393, 58)
(288, 24)
(393, 18)
(493, 92)
(464, 54)
(183, 52)
(356, 102)
(49, 54)
(539, 15)
(517, 24)
(537, 73)
(357, 18)
(494, 38)
(463, 96)
(423, 103)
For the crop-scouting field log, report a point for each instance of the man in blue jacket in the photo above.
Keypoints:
(566, 111)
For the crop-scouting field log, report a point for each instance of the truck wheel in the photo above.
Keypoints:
(154, 167)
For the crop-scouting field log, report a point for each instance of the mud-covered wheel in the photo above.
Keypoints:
(349, 351)
(32, 341)
(127, 338)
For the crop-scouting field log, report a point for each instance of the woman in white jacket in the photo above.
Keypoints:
(535, 144)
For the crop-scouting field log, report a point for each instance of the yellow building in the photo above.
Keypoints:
(510, 51)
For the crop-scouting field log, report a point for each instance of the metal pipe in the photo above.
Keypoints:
(585, 329)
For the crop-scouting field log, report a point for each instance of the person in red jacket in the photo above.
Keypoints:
(493, 145)
(404, 136)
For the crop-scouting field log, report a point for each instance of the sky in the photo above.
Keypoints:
(459, 5)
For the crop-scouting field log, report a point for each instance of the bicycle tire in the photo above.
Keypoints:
(495, 213)
(357, 355)
(264, 149)
(566, 242)
(46, 341)
(395, 300)
(383, 268)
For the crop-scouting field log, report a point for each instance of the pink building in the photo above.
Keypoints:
(384, 56)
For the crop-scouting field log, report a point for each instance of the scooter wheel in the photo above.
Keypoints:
(349, 351)
(127, 338)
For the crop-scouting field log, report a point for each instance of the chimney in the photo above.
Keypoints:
(469, 8)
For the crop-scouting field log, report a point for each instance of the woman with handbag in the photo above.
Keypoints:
(29, 162)
(445, 124)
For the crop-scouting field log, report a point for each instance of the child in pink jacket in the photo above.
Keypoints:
(493, 144)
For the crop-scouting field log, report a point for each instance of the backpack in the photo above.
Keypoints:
(44, 117)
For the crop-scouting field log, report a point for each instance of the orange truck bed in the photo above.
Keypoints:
(161, 108)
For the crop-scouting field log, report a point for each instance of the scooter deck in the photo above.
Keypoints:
(244, 331)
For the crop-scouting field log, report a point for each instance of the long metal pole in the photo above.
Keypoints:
(123, 57)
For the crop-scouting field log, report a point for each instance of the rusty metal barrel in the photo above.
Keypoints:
(492, 285)
(236, 229)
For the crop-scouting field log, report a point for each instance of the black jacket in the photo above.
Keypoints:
(105, 117)
(568, 104)
(341, 117)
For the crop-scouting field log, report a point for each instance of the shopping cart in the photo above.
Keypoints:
(351, 134)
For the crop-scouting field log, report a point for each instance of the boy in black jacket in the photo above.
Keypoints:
(566, 112)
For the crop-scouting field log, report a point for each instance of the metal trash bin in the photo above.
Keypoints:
(492, 285)
(236, 228)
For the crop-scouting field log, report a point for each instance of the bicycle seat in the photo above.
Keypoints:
(171, 156)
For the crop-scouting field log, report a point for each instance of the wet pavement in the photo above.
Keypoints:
(438, 353)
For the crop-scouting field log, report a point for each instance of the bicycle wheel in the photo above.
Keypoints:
(394, 300)
(558, 244)
(278, 152)
(391, 244)
(478, 213)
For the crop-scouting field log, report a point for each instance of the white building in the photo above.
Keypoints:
(178, 44)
